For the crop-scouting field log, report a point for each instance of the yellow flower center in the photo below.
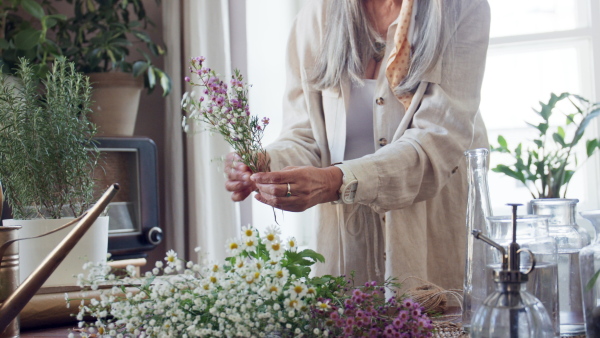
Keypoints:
(259, 266)
(250, 243)
(310, 291)
(276, 247)
(213, 279)
(233, 246)
(292, 244)
(215, 268)
(273, 289)
(249, 232)
(270, 237)
(171, 259)
(298, 289)
(206, 286)
(279, 274)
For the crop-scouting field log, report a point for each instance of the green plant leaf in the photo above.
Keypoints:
(502, 142)
(501, 168)
(558, 139)
(151, 77)
(317, 257)
(27, 39)
(591, 146)
(139, 67)
(590, 284)
(33, 8)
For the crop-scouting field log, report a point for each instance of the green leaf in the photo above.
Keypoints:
(501, 168)
(151, 77)
(27, 39)
(558, 139)
(317, 257)
(502, 142)
(591, 146)
(139, 67)
(538, 143)
(33, 8)
(590, 284)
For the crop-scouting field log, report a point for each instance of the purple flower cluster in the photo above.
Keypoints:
(366, 313)
(224, 108)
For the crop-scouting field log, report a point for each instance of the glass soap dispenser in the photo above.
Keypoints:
(511, 311)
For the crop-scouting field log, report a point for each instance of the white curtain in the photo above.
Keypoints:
(212, 216)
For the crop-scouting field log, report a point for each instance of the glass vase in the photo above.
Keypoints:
(570, 239)
(532, 233)
(589, 263)
(478, 209)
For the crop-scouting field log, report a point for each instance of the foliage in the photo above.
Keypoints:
(46, 146)
(226, 111)
(24, 28)
(263, 289)
(101, 34)
(547, 165)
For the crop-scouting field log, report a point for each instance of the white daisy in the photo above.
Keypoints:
(272, 234)
(171, 258)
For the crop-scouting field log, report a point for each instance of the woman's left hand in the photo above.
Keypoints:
(298, 188)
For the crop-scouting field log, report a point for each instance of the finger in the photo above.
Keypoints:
(241, 195)
(289, 168)
(234, 186)
(239, 173)
(277, 190)
(277, 177)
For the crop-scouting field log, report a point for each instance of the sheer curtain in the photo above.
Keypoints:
(199, 210)
(251, 36)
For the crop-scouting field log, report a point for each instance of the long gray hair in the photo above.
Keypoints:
(349, 42)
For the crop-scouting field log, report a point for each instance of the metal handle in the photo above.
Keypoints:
(532, 260)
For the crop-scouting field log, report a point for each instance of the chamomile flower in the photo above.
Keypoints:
(275, 249)
(292, 245)
(250, 243)
(297, 290)
(233, 247)
(272, 234)
(171, 258)
(248, 232)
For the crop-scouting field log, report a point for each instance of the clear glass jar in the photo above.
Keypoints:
(589, 262)
(511, 312)
(570, 239)
(478, 208)
(532, 232)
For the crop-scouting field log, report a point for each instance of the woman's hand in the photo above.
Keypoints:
(238, 178)
(308, 186)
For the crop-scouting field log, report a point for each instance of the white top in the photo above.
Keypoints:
(359, 121)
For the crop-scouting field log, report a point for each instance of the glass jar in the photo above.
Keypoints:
(570, 239)
(478, 208)
(589, 262)
(511, 312)
(532, 232)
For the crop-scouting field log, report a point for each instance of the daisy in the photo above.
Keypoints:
(171, 258)
(292, 244)
(275, 249)
(248, 232)
(297, 290)
(233, 246)
(272, 234)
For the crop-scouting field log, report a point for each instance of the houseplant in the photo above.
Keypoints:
(99, 37)
(547, 164)
(48, 157)
(24, 28)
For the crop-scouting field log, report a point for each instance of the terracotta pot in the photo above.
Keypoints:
(92, 247)
(116, 98)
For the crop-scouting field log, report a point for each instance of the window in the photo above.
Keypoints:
(538, 47)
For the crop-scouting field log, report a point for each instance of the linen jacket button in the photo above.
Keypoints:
(379, 101)
(383, 141)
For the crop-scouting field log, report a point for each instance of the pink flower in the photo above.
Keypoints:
(187, 79)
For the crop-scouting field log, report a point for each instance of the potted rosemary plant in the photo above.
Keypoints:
(99, 37)
(47, 158)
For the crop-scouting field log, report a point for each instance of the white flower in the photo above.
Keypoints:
(292, 244)
(276, 249)
(248, 232)
(297, 290)
(250, 243)
(233, 247)
(272, 234)
(171, 258)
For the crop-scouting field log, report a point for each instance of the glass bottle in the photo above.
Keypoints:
(478, 208)
(570, 239)
(532, 232)
(510, 311)
(589, 262)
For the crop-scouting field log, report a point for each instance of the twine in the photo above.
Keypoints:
(433, 298)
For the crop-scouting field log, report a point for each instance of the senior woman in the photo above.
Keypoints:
(381, 102)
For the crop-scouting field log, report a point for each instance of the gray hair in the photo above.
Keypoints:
(349, 42)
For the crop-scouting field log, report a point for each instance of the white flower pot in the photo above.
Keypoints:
(92, 247)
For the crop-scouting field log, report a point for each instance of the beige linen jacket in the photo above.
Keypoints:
(410, 207)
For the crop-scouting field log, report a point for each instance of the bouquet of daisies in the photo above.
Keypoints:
(224, 109)
(263, 289)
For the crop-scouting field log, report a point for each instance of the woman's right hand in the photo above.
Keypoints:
(238, 178)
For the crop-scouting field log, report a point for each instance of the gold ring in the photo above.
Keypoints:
(289, 192)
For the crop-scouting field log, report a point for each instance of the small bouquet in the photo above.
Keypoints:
(262, 290)
(225, 110)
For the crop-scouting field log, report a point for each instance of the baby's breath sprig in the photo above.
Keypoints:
(225, 109)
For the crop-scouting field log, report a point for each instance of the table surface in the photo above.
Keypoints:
(60, 331)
